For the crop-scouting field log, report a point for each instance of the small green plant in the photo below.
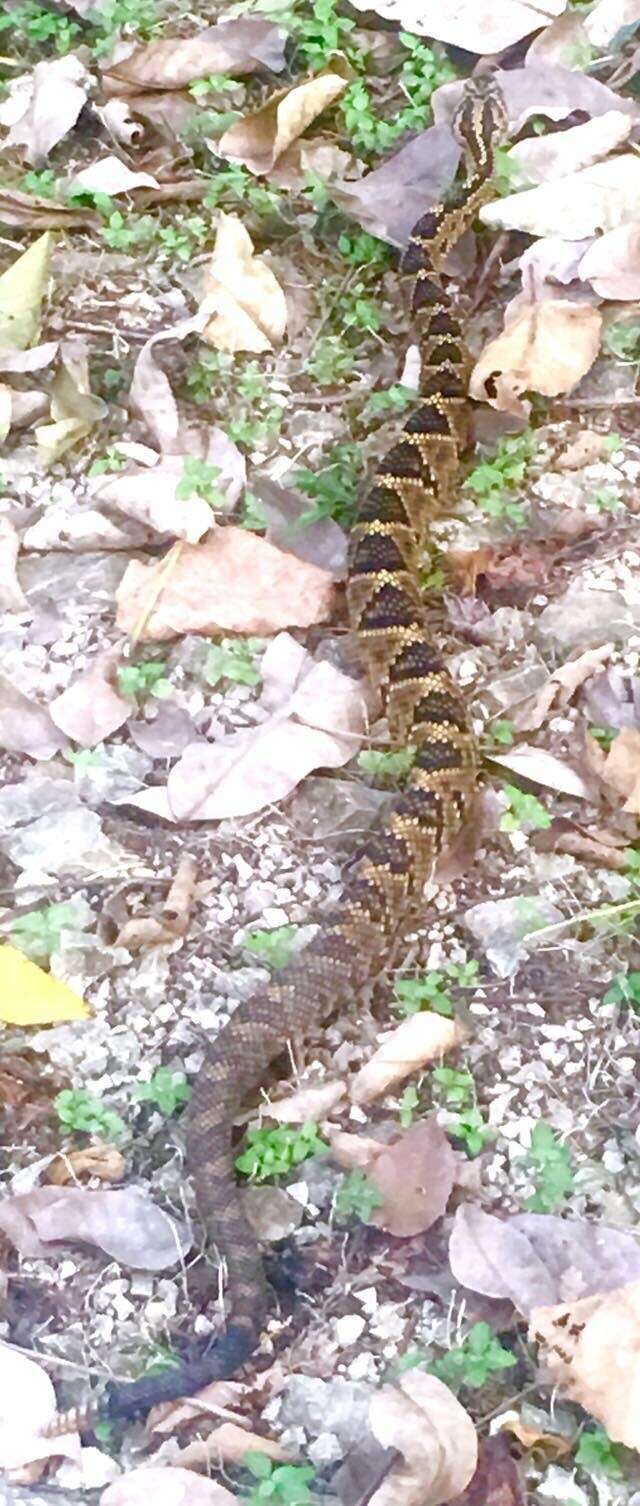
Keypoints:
(394, 400)
(330, 361)
(253, 513)
(431, 990)
(213, 83)
(141, 680)
(606, 500)
(624, 989)
(112, 460)
(409, 1102)
(356, 310)
(494, 482)
(363, 250)
(501, 732)
(81, 1112)
(387, 765)
(279, 1484)
(474, 1361)
(458, 1093)
(234, 659)
(182, 239)
(605, 736)
(275, 1152)
(199, 479)
(43, 184)
(166, 1089)
(357, 1197)
(525, 813)
(623, 340)
(160, 1359)
(421, 72)
(126, 232)
(115, 16)
(38, 933)
(35, 25)
(550, 1163)
(598, 1455)
(273, 947)
(332, 490)
(322, 33)
(234, 184)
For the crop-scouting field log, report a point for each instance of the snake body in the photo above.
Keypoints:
(415, 479)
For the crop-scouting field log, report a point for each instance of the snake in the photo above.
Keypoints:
(415, 480)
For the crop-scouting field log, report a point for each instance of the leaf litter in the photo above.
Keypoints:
(205, 356)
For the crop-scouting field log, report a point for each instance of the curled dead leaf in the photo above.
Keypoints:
(237, 46)
(593, 1352)
(423, 1420)
(101, 1161)
(158, 930)
(619, 766)
(544, 347)
(419, 1039)
(415, 1176)
(259, 139)
(244, 296)
(314, 1102)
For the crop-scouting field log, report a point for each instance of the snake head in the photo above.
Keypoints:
(481, 120)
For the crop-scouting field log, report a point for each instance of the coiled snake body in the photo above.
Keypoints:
(423, 708)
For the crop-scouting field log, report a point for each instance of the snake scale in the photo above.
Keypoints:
(416, 477)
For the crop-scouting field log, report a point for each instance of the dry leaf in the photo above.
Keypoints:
(154, 930)
(229, 1442)
(541, 159)
(535, 1259)
(74, 409)
(544, 347)
(353, 1151)
(236, 47)
(596, 199)
(619, 767)
(543, 1446)
(308, 1103)
(92, 709)
(148, 495)
(25, 726)
(101, 1161)
(259, 139)
(110, 176)
(166, 1486)
(545, 769)
(423, 1420)
(612, 263)
(481, 26)
(233, 582)
(593, 1352)
(415, 1175)
(123, 1223)
(241, 292)
(22, 289)
(27, 211)
(27, 1408)
(561, 685)
(316, 718)
(589, 446)
(12, 597)
(389, 200)
(29, 996)
(607, 17)
(44, 105)
(421, 1038)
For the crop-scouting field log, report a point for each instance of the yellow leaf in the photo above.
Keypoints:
(241, 291)
(544, 347)
(21, 292)
(30, 997)
(261, 138)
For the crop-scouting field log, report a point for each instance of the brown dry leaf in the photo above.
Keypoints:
(612, 263)
(619, 767)
(166, 1486)
(111, 176)
(101, 1161)
(544, 347)
(236, 47)
(389, 200)
(229, 1443)
(43, 106)
(546, 769)
(481, 26)
(604, 849)
(92, 708)
(307, 1103)
(415, 1176)
(592, 1348)
(541, 159)
(124, 1223)
(27, 211)
(545, 1446)
(423, 1420)
(233, 582)
(74, 409)
(25, 726)
(562, 685)
(419, 1039)
(497, 1480)
(259, 139)
(154, 930)
(564, 42)
(248, 305)
(353, 1151)
(539, 89)
(315, 719)
(585, 450)
(148, 496)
